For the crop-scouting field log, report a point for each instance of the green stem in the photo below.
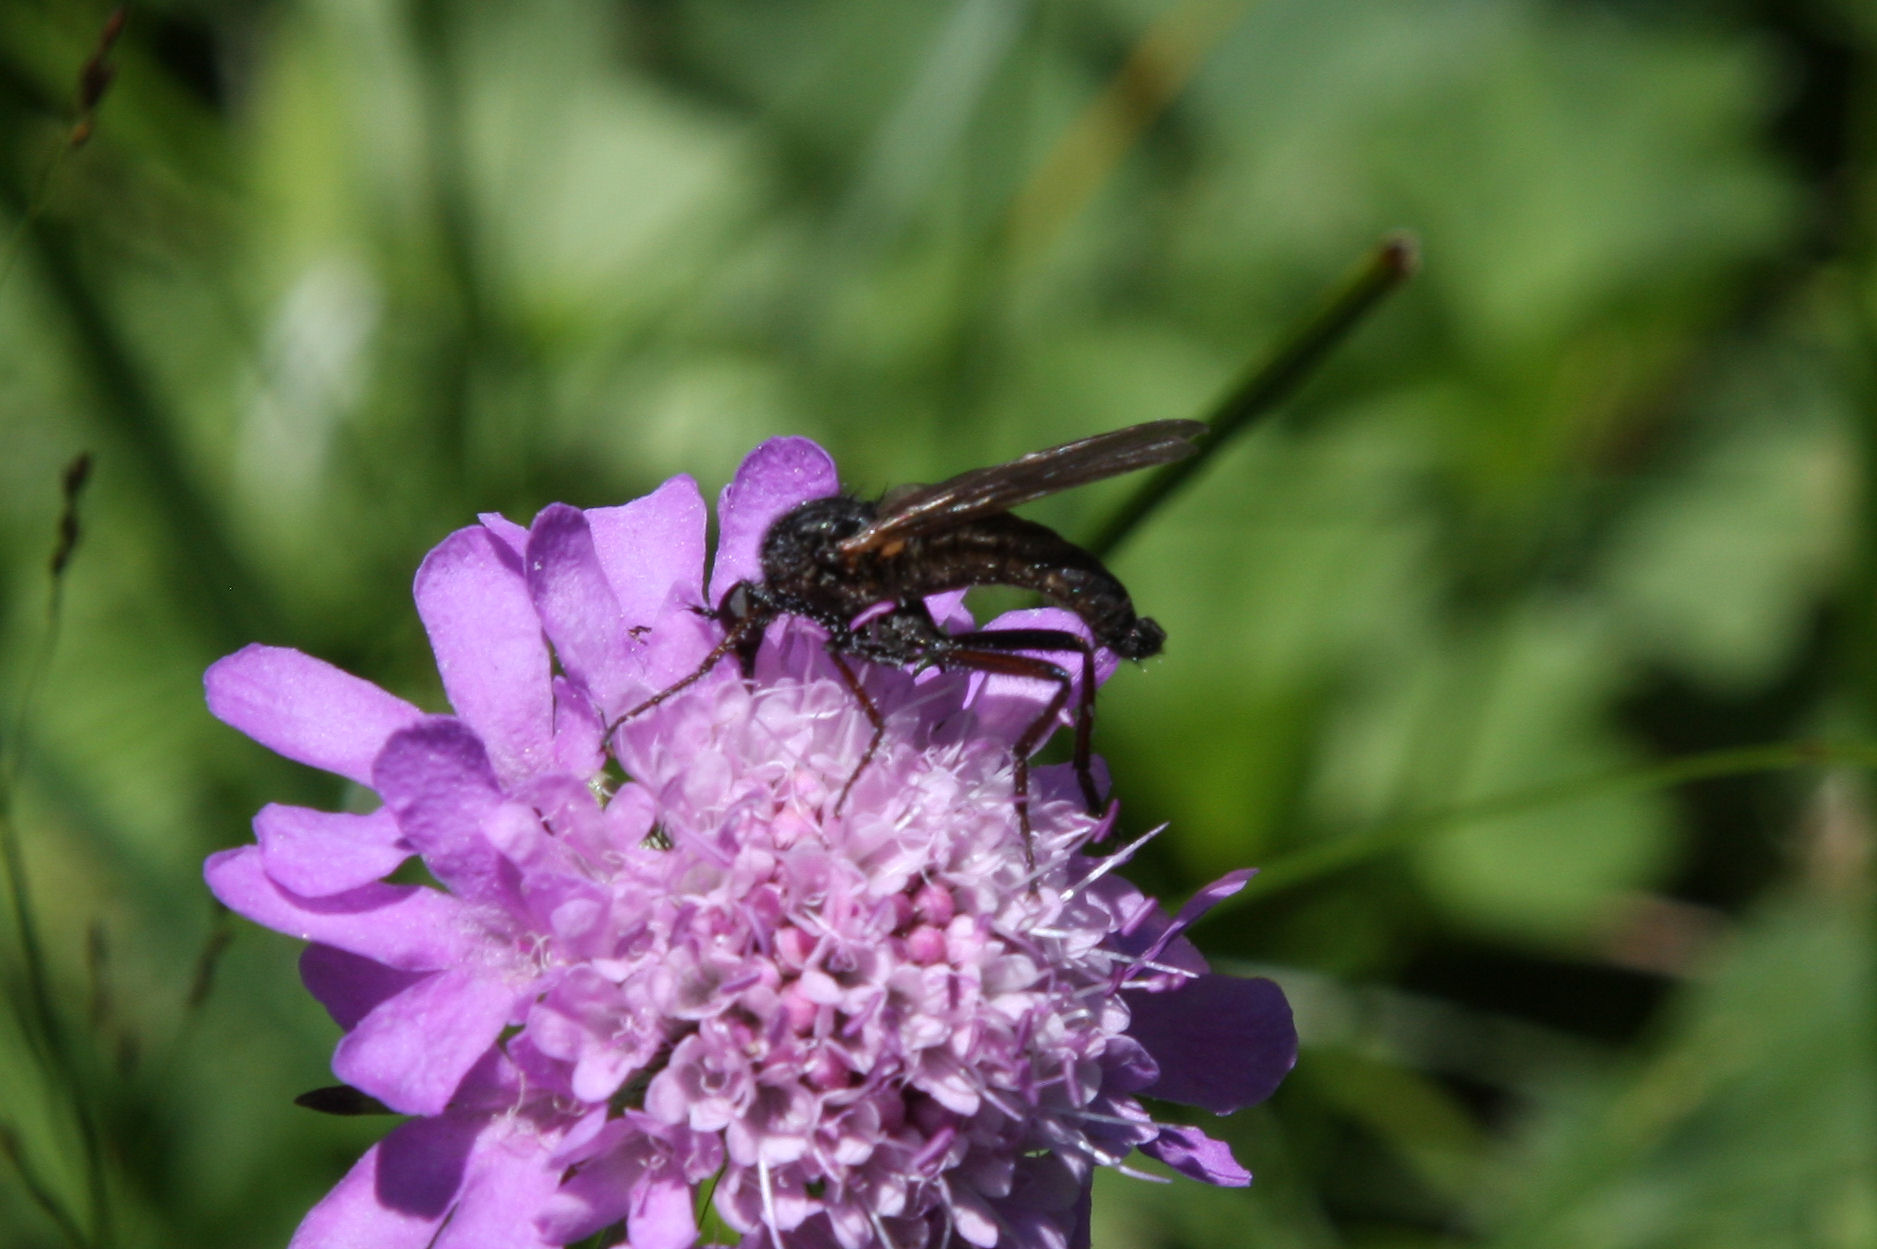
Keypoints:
(44, 1035)
(1273, 381)
(44, 1032)
(35, 204)
(1346, 852)
(36, 1186)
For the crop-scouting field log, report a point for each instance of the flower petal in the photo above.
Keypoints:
(661, 1218)
(773, 478)
(1165, 934)
(634, 1182)
(652, 549)
(494, 662)
(1222, 1042)
(578, 731)
(505, 531)
(1048, 1207)
(436, 779)
(399, 1193)
(305, 709)
(403, 926)
(412, 1050)
(1191, 1152)
(579, 610)
(348, 986)
(949, 612)
(1081, 1231)
(319, 853)
(510, 1177)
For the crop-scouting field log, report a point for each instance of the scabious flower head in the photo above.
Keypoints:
(662, 959)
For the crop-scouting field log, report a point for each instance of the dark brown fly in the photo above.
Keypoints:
(833, 559)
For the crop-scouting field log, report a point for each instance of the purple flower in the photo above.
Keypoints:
(659, 963)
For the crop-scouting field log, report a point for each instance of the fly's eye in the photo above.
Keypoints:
(736, 603)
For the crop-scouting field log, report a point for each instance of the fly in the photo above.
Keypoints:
(833, 560)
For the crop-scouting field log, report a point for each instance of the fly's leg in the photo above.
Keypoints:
(742, 634)
(968, 653)
(1052, 639)
(869, 709)
(905, 635)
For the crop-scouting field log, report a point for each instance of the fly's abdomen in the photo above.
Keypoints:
(1008, 550)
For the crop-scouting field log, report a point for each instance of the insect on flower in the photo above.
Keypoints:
(862, 570)
(619, 1002)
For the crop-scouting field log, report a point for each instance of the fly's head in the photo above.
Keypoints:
(744, 613)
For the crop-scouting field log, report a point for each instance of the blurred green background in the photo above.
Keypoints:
(1472, 646)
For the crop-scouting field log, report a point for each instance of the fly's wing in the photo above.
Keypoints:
(914, 510)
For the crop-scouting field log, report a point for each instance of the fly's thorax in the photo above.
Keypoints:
(801, 546)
